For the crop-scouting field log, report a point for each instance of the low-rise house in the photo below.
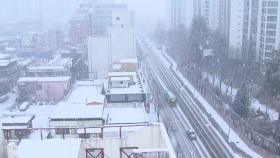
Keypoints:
(83, 108)
(47, 71)
(125, 87)
(8, 75)
(43, 88)
(68, 115)
(16, 126)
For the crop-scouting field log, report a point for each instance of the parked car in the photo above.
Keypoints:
(24, 106)
(3, 98)
(191, 134)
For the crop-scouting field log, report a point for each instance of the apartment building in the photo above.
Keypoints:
(177, 13)
(268, 29)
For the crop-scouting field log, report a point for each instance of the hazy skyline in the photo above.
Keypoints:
(155, 10)
(151, 9)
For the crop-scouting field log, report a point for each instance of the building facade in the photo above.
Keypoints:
(118, 43)
(177, 13)
(36, 89)
(9, 75)
(210, 10)
(268, 29)
(236, 20)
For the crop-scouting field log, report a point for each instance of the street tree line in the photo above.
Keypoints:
(203, 50)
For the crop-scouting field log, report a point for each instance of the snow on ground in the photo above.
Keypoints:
(233, 137)
(158, 52)
(225, 88)
(256, 105)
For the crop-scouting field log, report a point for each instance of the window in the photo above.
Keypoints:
(272, 11)
(270, 40)
(269, 47)
(264, 3)
(271, 33)
(271, 18)
(272, 3)
(271, 26)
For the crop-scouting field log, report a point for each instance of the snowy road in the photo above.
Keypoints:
(187, 115)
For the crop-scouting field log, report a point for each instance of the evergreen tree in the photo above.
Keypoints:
(199, 38)
(178, 44)
(241, 104)
(272, 79)
(160, 34)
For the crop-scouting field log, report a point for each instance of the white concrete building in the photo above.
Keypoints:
(119, 43)
(99, 56)
(177, 13)
(268, 29)
(210, 10)
(236, 28)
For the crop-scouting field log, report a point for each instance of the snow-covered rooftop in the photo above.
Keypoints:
(125, 113)
(132, 89)
(85, 92)
(47, 67)
(22, 119)
(44, 79)
(121, 74)
(135, 88)
(129, 60)
(65, 110)
(120, 78)
(49, 148)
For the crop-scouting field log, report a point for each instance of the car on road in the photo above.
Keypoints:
(3, 98)
(191, 133)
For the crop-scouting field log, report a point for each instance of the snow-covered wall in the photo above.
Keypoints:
(123, 43)
(151, 137)
(98, 57)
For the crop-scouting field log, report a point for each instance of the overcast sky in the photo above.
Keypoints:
(151, 9)
(154, 10)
